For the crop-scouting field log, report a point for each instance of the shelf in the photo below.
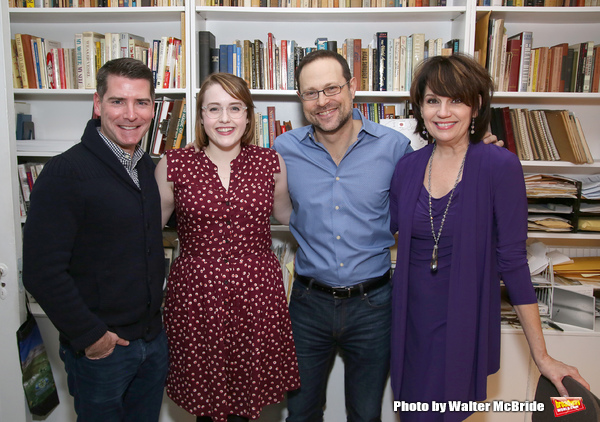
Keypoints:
(290, 93)
(569, 96)
(544, 15)
(95, 14)
(309, 15)
(560, 167)
(63, 94)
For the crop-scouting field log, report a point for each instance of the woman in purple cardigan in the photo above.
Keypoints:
(460, 209)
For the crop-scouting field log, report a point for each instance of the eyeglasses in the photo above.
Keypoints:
(215, 111)
(330, 91)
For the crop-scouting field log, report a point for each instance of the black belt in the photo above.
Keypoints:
(346, 292)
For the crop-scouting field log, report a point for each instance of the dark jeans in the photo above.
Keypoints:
(125, 386)
(359, 328)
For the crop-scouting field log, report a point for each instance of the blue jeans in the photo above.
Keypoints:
(359, 328)
(125, 386)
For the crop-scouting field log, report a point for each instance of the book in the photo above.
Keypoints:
(382, 53)
(587, 67)
(271, 126)
(596, 70)
(161, 127)
(39, 62)
(562, 136)
(79, 61)
(89, 57)
(559, 58)
(509, 139)
(418, 50)
(525, 39)
(17, 82)
(513, 49)
(180, 132)
(206, 41)
(25, 60)
(161, 61)
(173, 122)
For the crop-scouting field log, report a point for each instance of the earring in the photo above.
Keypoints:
(473, 126)
(424, 133)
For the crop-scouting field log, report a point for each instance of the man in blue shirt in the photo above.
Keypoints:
(339, 172)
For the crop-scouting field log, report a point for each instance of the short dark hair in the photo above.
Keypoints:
(127, 67)
(457, 76)
(237, 88)
(323, 54)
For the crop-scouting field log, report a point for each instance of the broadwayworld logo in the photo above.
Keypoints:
(567, 405)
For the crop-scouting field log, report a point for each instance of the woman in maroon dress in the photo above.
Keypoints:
(230, 341)
(460, 210)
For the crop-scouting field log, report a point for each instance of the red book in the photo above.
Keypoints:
(283, 64)
(559, 56)
(61, 68)
(514, 48)
(508, 130)
(271, 123)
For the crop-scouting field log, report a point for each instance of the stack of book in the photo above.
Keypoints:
(93, 3)
(384, 64)
(549, 135)
(324, 3)
(28, 173)
(539, 3)
(45, 64)
(516, 66)
(267, 127)
(167, 130)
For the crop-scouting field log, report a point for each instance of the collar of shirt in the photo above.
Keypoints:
(128, 161)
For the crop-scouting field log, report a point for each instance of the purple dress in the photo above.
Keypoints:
(446, 328)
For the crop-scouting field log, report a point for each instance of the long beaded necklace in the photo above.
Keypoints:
(434, 255)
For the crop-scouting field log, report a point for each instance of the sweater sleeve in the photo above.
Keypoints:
(55, 216)
(510, 216)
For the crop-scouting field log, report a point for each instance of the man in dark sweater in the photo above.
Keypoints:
(93, 256)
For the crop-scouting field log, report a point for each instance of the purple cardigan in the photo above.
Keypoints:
(488, 245)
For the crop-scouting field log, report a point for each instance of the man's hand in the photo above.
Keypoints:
(489, 138)
(192, 145)
(104, 346)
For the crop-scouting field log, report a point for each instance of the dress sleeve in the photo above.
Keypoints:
(510, 217)
(172, 165)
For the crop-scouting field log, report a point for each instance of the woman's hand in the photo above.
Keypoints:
(556, 370)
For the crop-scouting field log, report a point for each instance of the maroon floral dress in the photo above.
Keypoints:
(230, 340)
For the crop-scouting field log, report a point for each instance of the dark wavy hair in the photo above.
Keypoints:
(460, 77)
(238, 89)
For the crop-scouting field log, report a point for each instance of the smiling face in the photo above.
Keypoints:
(225, 132)
(327, 114)
(126, 111)
(447, 120)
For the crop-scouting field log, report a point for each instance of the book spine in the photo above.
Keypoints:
(527, 41)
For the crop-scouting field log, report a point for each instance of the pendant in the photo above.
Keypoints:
(434, 259)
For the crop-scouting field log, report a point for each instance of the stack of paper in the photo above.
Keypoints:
(586, 270)
(550, 186)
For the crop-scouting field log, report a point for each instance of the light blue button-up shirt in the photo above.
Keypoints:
(340, 216)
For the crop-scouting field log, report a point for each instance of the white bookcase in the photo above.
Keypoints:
(62, 115)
